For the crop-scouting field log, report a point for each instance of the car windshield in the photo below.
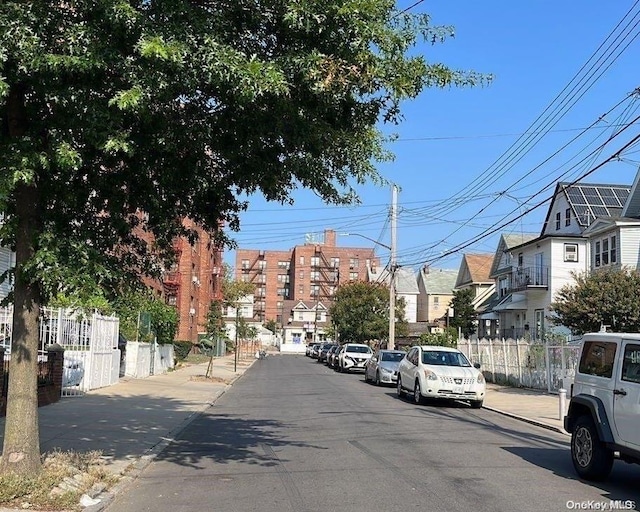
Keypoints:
(392, 356)
(360, 350)
(442, 358)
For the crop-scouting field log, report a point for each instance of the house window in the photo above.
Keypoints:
(570, 252)
(605, 251)
(436, 301)
(300, 316)
(567, 217)
(520, 259)
(503, 285)
(613, 251)
(557, 221)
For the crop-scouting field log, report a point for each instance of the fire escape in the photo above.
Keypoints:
(256, 273)
(171, 279)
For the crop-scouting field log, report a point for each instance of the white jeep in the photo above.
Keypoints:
(604, 411)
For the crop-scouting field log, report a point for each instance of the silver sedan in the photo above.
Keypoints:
(382, 368)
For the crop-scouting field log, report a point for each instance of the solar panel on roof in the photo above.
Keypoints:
(600, 211)
(575, 196)
(622, 194)
(581, 213)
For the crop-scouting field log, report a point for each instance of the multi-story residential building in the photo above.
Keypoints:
(529, 274)
(193, 283)
(436, 287)
(474, 275)
(310, 273)
(406, 288)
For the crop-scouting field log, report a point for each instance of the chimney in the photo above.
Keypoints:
(329, 238)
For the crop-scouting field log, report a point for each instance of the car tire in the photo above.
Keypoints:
(417, 393)
(366, 376)
(591, 459)
(399, 390)
(378, 379)
(476, 404)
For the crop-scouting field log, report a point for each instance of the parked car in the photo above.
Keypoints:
(323, 351)
(353, 356)
(603, 414)
(310, 349)
(440, 373)
(335, 348)
(382, 368)
(315, 350)
(332, 357)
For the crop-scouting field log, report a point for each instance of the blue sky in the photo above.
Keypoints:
(462, 163)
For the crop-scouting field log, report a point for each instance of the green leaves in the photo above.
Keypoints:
(155, 47)
(605, 297)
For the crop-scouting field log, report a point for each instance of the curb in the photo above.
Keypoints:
(537, 423)
(138, 466)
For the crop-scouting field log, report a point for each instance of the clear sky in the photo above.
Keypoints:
(469, 160)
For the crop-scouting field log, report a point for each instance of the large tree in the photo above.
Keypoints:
(602, 298)
(178, 108)
(360, 312)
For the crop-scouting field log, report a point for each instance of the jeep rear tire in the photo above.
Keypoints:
(592, 460)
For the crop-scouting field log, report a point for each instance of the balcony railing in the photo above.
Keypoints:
(526, 278)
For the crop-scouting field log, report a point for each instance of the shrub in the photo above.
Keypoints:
(181, 349)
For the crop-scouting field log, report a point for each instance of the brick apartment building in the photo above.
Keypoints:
(193, 283)
(308, 272)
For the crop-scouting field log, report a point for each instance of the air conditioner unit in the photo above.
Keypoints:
(192, 311)
(571, 256)
(195, 280)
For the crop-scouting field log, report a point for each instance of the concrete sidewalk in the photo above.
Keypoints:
(530, 405)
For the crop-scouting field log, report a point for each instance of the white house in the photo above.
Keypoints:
(530, 273)
(304, 323)
(406, 288)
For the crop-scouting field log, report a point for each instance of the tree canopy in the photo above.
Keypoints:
(464, 314)
(123, 117)
(360, 312)
(602, 298)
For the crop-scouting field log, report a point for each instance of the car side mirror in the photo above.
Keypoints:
(477, 366)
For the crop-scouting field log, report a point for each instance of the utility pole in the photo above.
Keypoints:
(391, 345)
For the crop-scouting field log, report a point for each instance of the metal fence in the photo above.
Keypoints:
(523, 363)
(91, 357)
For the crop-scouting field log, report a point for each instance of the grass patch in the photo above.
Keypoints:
(64, 478)
(196, 359)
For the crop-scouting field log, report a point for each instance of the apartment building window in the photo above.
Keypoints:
(315, 290)
(301, 260)
(262, 279)
(283, 265)
(353, 276)
(557, 221)
(315, 275)
(301, 289)
(172, 300)
(262, 265)
(245, 278)
(301, 274)
(332, 290)
(260, 292)
(245, 264)
(354, 262)
(567, 217)
(315, 261)
(282, 292)
(335, 262)
(283, 278)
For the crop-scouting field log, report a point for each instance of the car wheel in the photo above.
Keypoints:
(417, 393)
(592, 460)
(476, 404)
(399, 390)
(377, 378)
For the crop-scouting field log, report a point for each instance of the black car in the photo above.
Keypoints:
(322, 353)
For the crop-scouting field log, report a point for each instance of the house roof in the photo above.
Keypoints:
(474, 269)
(589, 201)
(406, 283)
(508, 241)
(439, 281)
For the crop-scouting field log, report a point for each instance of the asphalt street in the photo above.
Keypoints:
(293, 435)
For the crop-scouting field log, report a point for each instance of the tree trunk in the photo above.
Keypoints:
(21, 450)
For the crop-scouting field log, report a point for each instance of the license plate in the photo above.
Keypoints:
(457, 390)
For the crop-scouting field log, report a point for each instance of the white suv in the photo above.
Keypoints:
(604, 411)
(440, 372)
(353, 356)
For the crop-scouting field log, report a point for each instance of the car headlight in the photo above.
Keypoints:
(480, 379)
(429, 375)
(385, 370)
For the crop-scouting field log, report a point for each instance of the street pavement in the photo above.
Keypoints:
(134, 420)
